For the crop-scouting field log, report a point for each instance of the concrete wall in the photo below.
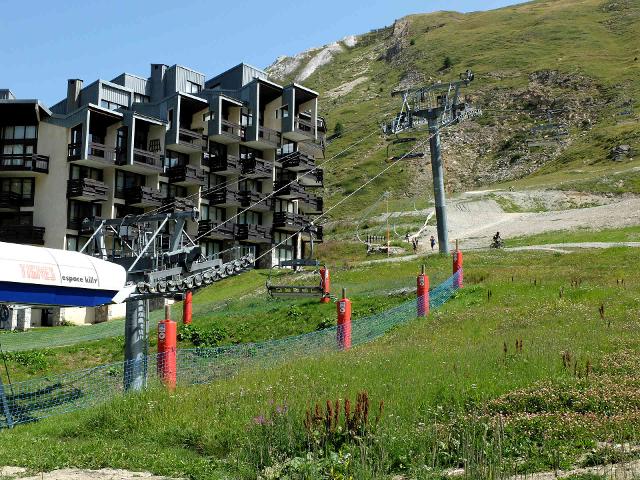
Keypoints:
(50, 206)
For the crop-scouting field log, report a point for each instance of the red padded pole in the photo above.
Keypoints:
(423, 294)
(325, 282)
(167, 349)
(187, 308)
(344, 322)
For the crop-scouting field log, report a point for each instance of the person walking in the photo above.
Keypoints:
(432, 240)
(414, 242)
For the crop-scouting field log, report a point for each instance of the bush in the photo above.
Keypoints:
(211, 337)
(447, 63)
(338, 130)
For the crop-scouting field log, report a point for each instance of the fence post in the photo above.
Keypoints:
(457, 266)
(187, 308)
(344, 322)
(325, 283)
(423, 294)
(167, 339)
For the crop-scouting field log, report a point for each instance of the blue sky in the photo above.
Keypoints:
(45, 42)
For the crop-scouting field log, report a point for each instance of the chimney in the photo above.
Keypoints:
(74, 85)
(157, 81)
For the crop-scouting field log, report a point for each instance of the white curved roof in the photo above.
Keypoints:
(58, 268)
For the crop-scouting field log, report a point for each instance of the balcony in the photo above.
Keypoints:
(256, 201)
(216, 230)
(98, 154)
(228, 132)
(23, 234)
(223, 197)
(77, 223)
(28, 164)
(311, 204)
(176, 204)
(10, 201)
(268, 137)
(186, 175)
(252, 233)
(256, 168)
(87, 190)
(288, 221)
(304, 127)
(297, 162)
(288, 191)
(144, 162)
(140, 196)
(313, 179)
(188, 141)
(224, 165)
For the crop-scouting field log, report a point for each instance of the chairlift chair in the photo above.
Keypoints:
(309, 264)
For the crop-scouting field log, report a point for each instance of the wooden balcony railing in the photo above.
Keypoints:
(268, 135)
(216, 229)
(102, 152)
(187, 174)
(148, 158)
(255, 200)
(253, 233)
(288, 220)
(192, 139)
(304, 126)
(231, 129)
(10, 201)
(256, 168)
(88, 189)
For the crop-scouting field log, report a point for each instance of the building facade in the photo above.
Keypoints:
(238, 147)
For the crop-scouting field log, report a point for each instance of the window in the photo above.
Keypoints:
(125, 180)
(211, 247)
(282, 112)
(19, 132)
(215, 214)
(139, 98)
(285, 149)
(249, 153)
(77, 171)
(12, 219)
(76, 242)
(175, 159)
(193, 87)
(24, 187)
(250, 218)
(284, 246)
(111, 105)
(246, 118)
(169, 190)
(170, 118)
(78, 211)
(250, 185)
(285, 206)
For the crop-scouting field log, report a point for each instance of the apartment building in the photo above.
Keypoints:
(172, 141)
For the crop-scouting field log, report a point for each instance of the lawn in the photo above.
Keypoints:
(531, 364)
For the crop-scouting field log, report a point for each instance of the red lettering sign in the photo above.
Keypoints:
(38, 272)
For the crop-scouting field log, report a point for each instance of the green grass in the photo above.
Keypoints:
(452, 395)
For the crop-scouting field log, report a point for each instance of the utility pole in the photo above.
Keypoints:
(439, 106)
(437, 172)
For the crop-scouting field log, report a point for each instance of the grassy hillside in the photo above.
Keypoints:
(576, 56)
(456, 390)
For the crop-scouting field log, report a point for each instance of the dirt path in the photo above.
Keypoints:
(19, 473)
(474, 217)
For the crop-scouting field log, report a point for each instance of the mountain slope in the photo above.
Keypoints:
(578, 58)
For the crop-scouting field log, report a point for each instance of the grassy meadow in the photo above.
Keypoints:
(526, 369)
